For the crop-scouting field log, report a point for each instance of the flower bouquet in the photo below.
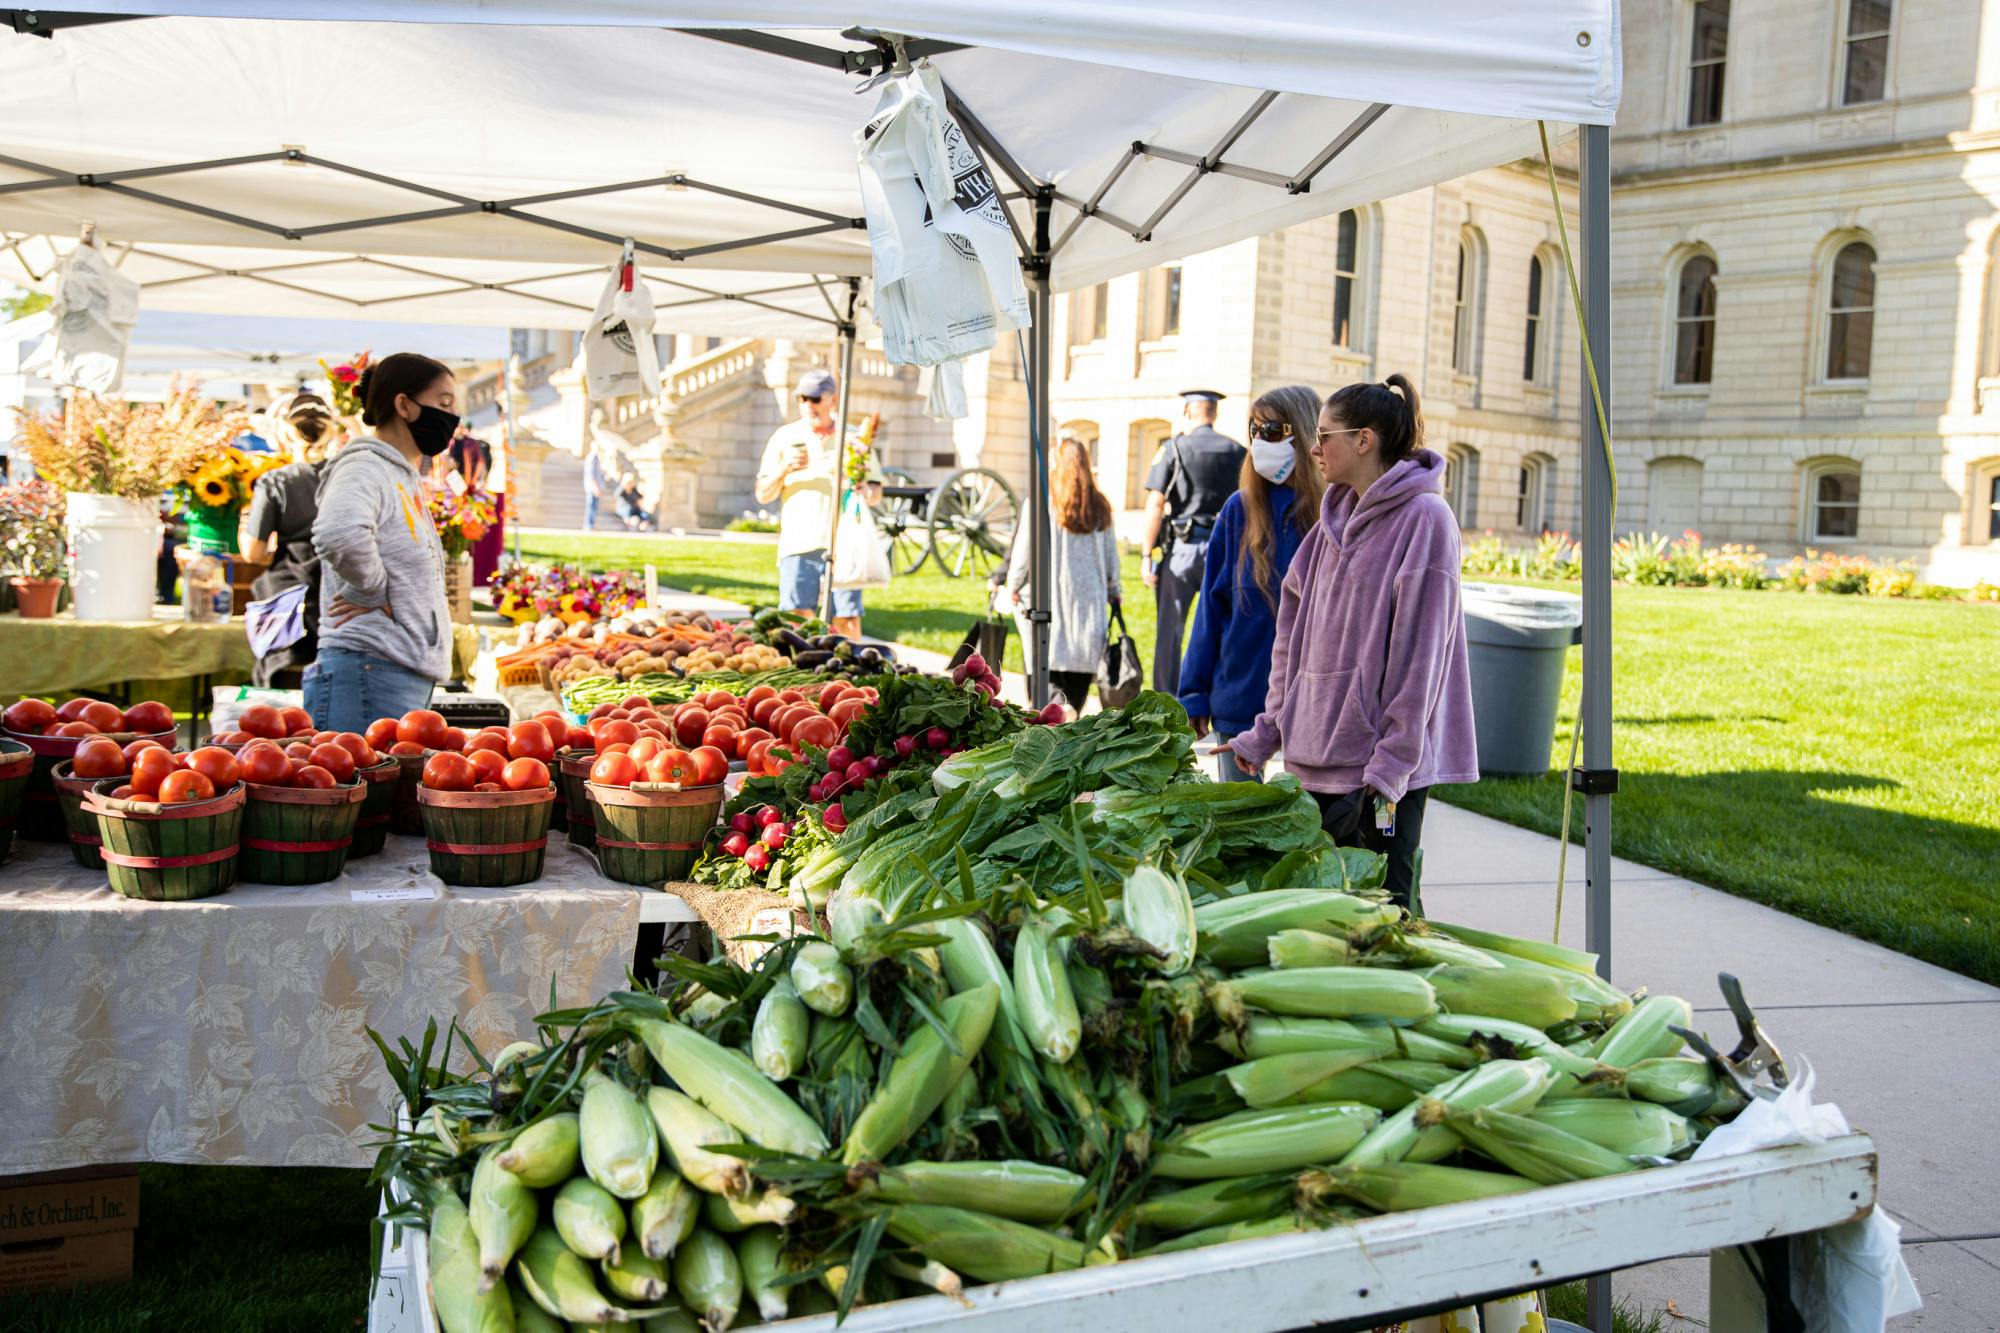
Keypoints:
(135, 451)
(214, 494)
(461, 519)
(344, 380)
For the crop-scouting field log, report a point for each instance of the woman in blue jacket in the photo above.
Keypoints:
(1228, 661)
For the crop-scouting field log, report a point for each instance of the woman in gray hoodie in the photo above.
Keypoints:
(385, 628)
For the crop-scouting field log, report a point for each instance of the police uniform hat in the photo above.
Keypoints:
(1212, 395)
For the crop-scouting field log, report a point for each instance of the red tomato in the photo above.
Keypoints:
(105, 717)
(745, 740)
(312, 775)
(150, 718)
(185, 785)
(488, 765)
(296, 720)
(689, 723)
(123, 793)
(620, 715)
(526, 775)
(151, 769)
(648, 714)
(216, 764)
(765, 711)
(30, 717)
(775, 764)
(555, 723)
(293, 767)
(72, 709)
(487, 786)
(406, 748)
(262, 720)
(791, 696)
(643, 749)
(381, 733)
(816, 731)
(453, 739)
(530, 740)
(710, 766)
(614, 770)
(614, 731)
(576, 738)
(715, 699)
(264, 764)
(830, 694)
(448, 770)
(334, 759)
(76, 728)
(496, 741)
(98, 759)
(671, 766)
(753, 758)
(789, 717)
(722, 738)
(597, 712)
(132, 751)
(849, 708)
(325, 737)
(635, 701)
(423, 726)
(759, 693)
(358, 746)
(659, 729)
(300, 751)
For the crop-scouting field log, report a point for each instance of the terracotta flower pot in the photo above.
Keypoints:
(36, 598)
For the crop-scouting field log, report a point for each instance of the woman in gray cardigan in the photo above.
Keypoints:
(1083, 572)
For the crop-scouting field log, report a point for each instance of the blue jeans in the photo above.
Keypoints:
(346, 690)
(1226, 767)
(799, 586)
(590, 511)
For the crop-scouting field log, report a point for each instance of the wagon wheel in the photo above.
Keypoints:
(902, 521)
(972, 519)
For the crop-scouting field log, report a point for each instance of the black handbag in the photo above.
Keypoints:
(1119, 676)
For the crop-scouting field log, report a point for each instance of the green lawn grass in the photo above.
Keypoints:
(1833, 757)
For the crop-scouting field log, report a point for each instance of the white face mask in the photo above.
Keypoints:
(1273, 459)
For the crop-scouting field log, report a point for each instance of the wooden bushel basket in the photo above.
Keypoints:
(17, 765)
(572, 777)
(298, 835)
(405, 817)
(649, 833)
(41, 815)
(77, 818)
(486, 839)
(168, 853)
(371, 826)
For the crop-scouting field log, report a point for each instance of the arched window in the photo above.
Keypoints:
(1346, 278)
(1850, 312)
(1083, 431)
(1833, 500)
(1694, 322)
(1465, 303)
(1673, 495)
(1534, 348)
(1461, 483)
(1532, 493)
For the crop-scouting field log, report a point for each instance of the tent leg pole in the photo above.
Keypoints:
(840, 434)
(1041, 307)
(1594, 208)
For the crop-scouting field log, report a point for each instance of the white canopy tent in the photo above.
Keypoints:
(481, 160)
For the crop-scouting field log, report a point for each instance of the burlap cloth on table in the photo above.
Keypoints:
(731, 913)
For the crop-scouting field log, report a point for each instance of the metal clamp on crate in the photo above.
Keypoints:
(1594, 781)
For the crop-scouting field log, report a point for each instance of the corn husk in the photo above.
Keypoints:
(757, 1257)
(1235, 932)
(778, 1036)
(1275, 1079)
(589, 1220)
(637, 1278)
(726, 1082)
(921, 1076)
(1514, 1084)
(1282, 1225)
(465, 1301)
(1049, 1016)
(991, 1249)
(1643, 1035)
(1541, 1152)
(1159, 911)
(709, 1280)
(1307, 948)
(1631, 1129)
(730, 1216)
(970, 961)
(1326, 992)
(1416, 1075)
(663, 1216)
(689, 1130)
(673, 1321)
(1395, 1187)
(616, 1138)
(1539, 951)
(1022, 1191)
(545, 1153)
(564, 1284)
(1278, 1139)
(1275, 1034)
(825, 984)
(530, 1317)
(502, 1212)
(1533, 998)
(1361, 1085)
(1215, 1203)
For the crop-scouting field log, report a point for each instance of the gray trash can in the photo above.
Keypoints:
(1516, 640)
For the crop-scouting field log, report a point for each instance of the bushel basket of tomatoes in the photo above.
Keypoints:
(304, 804)
(167, 831)
(486, 813)
(54, 733)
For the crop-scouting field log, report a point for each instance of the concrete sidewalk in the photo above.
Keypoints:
(1907, 1050)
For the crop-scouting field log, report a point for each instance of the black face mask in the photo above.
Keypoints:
(432, 430)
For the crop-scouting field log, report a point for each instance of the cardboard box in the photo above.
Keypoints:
(68, 1228)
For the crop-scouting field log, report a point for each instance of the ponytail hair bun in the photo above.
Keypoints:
(1390, 409)
(392, 377)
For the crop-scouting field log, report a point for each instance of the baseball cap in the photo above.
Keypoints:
(815, 384)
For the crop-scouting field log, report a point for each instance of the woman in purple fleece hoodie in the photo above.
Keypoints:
(1369, 698)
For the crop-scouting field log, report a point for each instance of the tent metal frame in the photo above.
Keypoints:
(1595, 779)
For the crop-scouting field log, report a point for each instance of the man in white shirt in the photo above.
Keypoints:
(800, 467)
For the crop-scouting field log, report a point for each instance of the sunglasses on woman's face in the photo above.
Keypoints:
(1270, 431)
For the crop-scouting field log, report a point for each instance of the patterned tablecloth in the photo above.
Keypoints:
(229, 1030)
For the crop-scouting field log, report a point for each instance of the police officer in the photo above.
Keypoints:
(1192, 474)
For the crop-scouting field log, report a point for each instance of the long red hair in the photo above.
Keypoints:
(1080, 507)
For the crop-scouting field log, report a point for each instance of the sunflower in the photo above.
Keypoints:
(213, 490)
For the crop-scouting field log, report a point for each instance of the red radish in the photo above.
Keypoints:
(906, 746)
(768, 815)
(874, 764)
(1053, 715)
(937, 738)
(975, 665)
(857, 773)
(839, 757)
(757, 858)
(736, 844)
(742, 822)
(834, 818)
(774, 837)
(986, 687)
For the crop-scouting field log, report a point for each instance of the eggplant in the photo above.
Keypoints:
(869, 655)
(791, 641)
(817, 657)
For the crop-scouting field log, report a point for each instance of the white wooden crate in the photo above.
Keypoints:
(1369, 1271)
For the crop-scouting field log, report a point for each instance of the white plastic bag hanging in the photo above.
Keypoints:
(947, 282)
(619, 359)
(93, 311)
(860, 552)
(943, 387)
